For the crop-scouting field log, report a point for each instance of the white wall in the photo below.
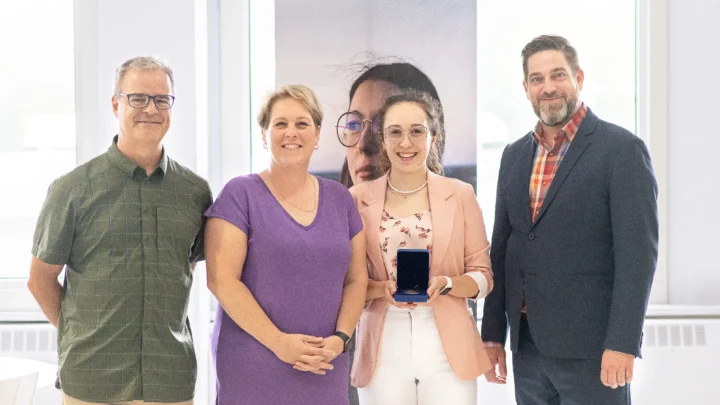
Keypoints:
(694, 152)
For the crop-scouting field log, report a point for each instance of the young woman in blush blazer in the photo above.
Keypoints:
(425, 353)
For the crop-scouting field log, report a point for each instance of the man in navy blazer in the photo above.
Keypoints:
(574, 246)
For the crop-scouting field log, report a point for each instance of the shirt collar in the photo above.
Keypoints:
(129, 167)
(568, 131)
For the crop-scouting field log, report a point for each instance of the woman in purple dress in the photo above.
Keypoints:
(286, 260)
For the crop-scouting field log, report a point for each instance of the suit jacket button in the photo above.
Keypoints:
(531, 236)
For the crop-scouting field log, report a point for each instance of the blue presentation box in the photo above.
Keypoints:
(413, 275)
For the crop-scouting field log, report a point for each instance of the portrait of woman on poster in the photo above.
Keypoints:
(357, 129)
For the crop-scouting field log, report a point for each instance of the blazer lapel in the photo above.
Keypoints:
(371, 212)
(526, 168)
(575, 150)
(442, 208)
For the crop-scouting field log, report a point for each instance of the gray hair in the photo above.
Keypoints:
(143, 63)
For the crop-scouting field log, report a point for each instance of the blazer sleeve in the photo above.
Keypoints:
(494, 321)
(477, 247)
(634, 221)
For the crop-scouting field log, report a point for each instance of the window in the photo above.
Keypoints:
(606, 54)
(37, 117)
(625, 82)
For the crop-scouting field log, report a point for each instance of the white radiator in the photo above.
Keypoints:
(37, 341)
(681, 357)
(680, 365)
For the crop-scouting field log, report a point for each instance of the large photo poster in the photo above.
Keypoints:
(353, 53)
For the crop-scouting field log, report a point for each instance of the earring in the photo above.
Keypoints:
(317, 146)
(265, 146)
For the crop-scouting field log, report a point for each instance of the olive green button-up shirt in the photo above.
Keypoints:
(128, 241)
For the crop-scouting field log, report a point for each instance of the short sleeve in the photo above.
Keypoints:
(232, 204)
(354, 220)
(198, 250)
(55, 228)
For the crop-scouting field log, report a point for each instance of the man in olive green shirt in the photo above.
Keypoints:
(127, 226)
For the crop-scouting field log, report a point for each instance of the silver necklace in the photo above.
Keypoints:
(405, 193)
(288, 201)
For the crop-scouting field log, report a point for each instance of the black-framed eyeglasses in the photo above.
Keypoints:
(351, 125)
(417, 133)
(140, 100)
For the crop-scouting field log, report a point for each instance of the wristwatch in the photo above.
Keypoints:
(447, 287)
(345, 338)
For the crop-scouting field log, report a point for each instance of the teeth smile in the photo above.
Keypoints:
(406, 155)
(291, 146)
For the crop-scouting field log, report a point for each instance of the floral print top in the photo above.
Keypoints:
(411, 232)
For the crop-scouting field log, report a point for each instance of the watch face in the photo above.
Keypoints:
(346, 340)
(445, 290)
(349, 345)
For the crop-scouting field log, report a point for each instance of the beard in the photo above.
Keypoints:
(553, 115)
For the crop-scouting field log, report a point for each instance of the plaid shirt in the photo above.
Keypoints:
(548, 159)
(128, 240)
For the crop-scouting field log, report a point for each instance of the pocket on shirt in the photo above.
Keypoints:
(177, 230)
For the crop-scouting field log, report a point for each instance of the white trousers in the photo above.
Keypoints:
(412, 368)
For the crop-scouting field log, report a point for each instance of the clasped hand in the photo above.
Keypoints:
(308, 353)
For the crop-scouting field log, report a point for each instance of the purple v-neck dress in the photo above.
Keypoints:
(296, 274)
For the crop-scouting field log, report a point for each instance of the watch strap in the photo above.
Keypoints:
(345, 338)
(448, 286)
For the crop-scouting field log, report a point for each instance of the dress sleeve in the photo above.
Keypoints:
(232, 205)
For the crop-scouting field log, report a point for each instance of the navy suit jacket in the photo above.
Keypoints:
(587, 262)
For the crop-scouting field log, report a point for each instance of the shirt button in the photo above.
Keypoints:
(531, 236)
(550, 154)
(544, 183)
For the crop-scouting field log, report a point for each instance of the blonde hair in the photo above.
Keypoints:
(297, 92)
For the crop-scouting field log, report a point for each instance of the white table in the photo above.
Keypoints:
(14, 367)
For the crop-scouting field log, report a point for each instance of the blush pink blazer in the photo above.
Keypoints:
(460, 246)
